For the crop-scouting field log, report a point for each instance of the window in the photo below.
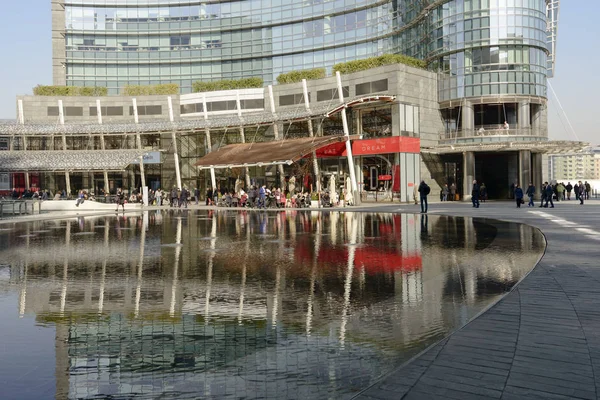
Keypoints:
(292, 99)
(107, 111)
(252, 104)
(370, 87)
(191, 108)
(52, 112)
(332, 94)
(146, 110)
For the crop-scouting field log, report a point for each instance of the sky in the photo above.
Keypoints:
(25, 40)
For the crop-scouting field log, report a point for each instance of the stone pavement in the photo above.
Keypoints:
(541, 341)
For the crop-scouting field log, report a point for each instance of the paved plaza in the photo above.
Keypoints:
(541, 341)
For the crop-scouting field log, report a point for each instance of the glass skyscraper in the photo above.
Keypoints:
(486, 47)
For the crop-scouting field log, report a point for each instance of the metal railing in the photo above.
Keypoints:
(487, 131)
(15, 208)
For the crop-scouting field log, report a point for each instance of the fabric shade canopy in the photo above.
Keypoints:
(266, 153)
(68, 160)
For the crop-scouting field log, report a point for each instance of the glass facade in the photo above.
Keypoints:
(481, 47)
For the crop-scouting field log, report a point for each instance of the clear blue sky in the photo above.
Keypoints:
(25, 40)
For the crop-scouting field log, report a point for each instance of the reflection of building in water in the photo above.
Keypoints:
(200, 293)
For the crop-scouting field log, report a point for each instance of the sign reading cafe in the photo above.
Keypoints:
(152, 157)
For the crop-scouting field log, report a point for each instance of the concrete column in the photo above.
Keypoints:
(468, 174)
(536, 120)
(311, 134)
(523, 116)
(142, 174)
(174, 140)
(524, 168)
(276, 131)
(213, 179)
(243, 136)
(536, 172)
(102, 144)
(21, 115)
(468, 119)
(348, 144)
(68, 183)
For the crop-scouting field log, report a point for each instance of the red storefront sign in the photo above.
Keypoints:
(384, 177)
(386, 145)
(392, 144)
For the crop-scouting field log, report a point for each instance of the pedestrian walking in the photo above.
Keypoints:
(581, 192)
(530, 193)
(120, 200)
(475, 194)
(569, 188)
(424, 190)
(445, 192)
(519, 195)
(549, 194)
(452, 192)
(197, 195)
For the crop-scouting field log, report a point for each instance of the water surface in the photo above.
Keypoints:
(235, 304)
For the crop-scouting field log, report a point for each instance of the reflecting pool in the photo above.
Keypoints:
(232, 304)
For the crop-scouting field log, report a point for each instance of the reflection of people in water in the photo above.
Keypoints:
(424, 223)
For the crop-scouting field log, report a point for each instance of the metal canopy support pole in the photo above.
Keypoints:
(276, 133)
(61, 119)
(22, 122)
(311, 134)
(348, 144)
(213, 179)
(139, 143)
(242, 135)
(102, 143)
(174, 140)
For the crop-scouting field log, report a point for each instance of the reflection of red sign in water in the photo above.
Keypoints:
(384, 177)
(374, 261)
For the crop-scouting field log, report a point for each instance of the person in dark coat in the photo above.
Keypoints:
(580, 188)
(549, 193)
(569, 188)
(174, 198)
(475, 194)
(576, 190)
(209, 195)
(518, 195)
(423, 192)
(530, 194)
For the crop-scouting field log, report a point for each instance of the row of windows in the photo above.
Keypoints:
(236, 12)
(53, 111)
(493, 89)
(251, 104)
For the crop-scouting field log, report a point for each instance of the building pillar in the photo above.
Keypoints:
(524, 168)
(468, 174)
(243, 137)
(213, 179)
(536, 172)
(174, 140)
(467, 119)
(536, 119)
(355, 193)
(523, 116)
(310, 133)
(276, 133)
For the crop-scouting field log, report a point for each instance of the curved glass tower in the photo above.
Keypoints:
(117, 42)
(492, 55)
